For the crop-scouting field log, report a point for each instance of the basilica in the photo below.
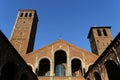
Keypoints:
(59, 60)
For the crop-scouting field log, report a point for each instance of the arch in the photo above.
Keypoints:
(104, 32)
(44, 67)
(8, 71)
(76, 66)
(99, 32)
(26, 14)
(21, 15)
(60, 60)
(113, 70)
(97, 76)
(30, 14)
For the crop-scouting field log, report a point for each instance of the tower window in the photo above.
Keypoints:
(99, 32)
(30, 14)
(26, 14)
(104, 32)
(21, 15)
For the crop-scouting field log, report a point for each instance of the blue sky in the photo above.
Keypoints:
(70, 19)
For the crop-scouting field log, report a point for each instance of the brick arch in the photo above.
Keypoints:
(43, 66)
(76, 66)
(60, 63)
(76, 57)
(61, 49)
(67, 53)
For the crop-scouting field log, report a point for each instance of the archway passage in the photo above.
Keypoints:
(8, 71)
(113, 70)
(60, 59)
(97, 76)
(76, 67)
(44, 68)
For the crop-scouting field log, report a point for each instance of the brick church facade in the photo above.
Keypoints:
(61, 60)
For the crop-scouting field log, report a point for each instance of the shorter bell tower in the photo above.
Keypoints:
(100, 38)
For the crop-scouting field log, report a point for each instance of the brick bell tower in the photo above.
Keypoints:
(100, 38)
(24, 31)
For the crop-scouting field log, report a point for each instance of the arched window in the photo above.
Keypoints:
(60, 63)
(8, 71)
(97, 76)
(76, 67)
(30, 14)
(26, 14)
(104, 32)
(21, 15)
(44, 68)
(99, 32)
(113, 70)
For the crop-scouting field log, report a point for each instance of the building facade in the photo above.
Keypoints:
(62, 60)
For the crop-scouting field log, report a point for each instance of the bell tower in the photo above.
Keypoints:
(100, 38)
(24, 31)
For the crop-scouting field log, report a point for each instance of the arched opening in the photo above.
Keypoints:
(21, 15)
(30, 14)
(97, 76)
(60, 59)
(26, 14)
(104, 32)
(76, 67)
(44, 68)
(99, 32)
(113, 70)
(8, 71)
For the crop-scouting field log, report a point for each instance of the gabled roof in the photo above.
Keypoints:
(74, 50)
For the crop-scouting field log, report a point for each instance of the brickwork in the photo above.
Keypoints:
(59, 60)
(100, 38)
(72, 52)
(24, 31)
(111, 56)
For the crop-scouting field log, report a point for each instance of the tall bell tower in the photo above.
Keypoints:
(100, 38)
(24, 31)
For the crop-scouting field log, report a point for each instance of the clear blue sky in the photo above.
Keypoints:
(70, 19)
